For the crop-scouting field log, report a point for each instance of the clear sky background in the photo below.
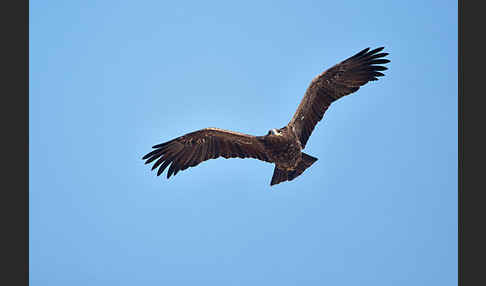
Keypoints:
(109, 79)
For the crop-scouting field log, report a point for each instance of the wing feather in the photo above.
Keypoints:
(338, 81)
(193, 148)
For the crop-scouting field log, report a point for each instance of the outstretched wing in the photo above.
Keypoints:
(210, 143)
(336, 82)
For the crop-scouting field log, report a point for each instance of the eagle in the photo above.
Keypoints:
(282, 146)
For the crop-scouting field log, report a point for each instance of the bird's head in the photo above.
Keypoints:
(274, 132)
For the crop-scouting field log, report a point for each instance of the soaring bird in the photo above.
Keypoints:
(282, 146)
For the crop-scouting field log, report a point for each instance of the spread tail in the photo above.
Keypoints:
(282, 175)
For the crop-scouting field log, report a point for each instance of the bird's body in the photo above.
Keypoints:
(283, 146)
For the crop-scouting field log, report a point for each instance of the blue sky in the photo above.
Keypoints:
(109, 79)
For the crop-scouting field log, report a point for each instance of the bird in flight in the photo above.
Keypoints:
(282, 146)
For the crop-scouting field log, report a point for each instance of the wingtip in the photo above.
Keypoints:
(380, 68)
(362, 52)
(168, 175)
(377, 50)
(159, 171)
(159, 145)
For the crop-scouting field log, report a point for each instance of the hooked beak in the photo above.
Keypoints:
(275, 132)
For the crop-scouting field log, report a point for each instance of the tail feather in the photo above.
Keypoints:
(283, 175)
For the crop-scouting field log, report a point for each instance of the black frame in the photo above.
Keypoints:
(15, 120)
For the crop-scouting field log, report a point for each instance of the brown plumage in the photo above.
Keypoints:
(280, 146)
(210, 143)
